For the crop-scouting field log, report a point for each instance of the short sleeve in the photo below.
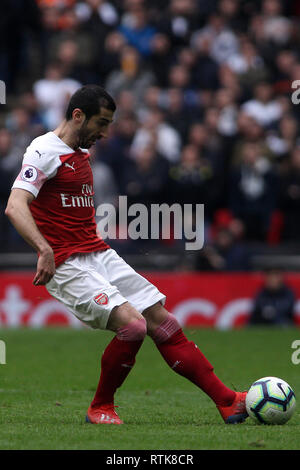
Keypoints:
(38, 166)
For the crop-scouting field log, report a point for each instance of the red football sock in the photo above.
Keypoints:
(186, 359)
(117, 361)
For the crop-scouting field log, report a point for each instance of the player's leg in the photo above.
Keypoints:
(180, 354)
(119, 356)
(186, 359)
(183, 356)
(117, 361)
(85, 290)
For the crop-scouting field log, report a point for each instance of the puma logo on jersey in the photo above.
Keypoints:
(39, 153)
(70, 166)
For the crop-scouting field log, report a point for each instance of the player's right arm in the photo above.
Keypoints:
(18, 212)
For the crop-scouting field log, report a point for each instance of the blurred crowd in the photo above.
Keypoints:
(204, 107)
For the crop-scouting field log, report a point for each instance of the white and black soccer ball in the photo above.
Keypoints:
(270, 400)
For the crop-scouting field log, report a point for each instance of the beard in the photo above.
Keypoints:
(85, 138)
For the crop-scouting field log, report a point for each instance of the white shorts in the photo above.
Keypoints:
(91, 285)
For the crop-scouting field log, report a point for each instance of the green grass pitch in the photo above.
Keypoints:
(50, 377)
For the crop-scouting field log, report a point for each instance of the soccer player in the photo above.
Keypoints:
(51, 206)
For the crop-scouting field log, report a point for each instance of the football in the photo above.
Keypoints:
(270, 400)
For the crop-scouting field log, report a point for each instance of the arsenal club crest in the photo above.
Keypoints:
(101, 299)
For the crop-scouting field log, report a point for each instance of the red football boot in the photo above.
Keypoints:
(235, 413)
(103, 414)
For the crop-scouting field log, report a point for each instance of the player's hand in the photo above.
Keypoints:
(45, 268)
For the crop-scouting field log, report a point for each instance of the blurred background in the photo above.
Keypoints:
(204, 115)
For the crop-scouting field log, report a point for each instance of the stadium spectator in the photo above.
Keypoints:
(168, 141)
(249, 131)
(105, 185)
(180, 112)
(144, 179)
(181, 19)
(138, 30)
(276, 28)
(97, 18)
(249, 66)
(10, 154)
(127, 102)
(253, 193)
(116, 151)
(18, 122)
(215, 148)
(290, 198)
(230, 10)
(53, 92)
(17, 18)
(230, 80)
(263, 108)
(10, 160)
(161, 58)
(69, 54)
(193, 181)
(179, 77)
(295, 74)
(225, 253)
(131, 76)
(285, 62)
(227, 122)
(198, 135)
(106, 11)
(28, 101)
(283, 140)
(223, 42)
(109, 59)
(206, 69)
(274, 303)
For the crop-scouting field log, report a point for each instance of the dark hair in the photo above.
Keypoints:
(89, 99)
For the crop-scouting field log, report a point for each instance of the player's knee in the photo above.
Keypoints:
(135, 330)
(164, 330)
(121, 316)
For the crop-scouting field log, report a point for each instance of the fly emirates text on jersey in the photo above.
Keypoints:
(83, 200)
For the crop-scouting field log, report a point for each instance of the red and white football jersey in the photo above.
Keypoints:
(61, 180)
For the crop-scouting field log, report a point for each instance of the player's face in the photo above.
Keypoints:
(95, 128)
